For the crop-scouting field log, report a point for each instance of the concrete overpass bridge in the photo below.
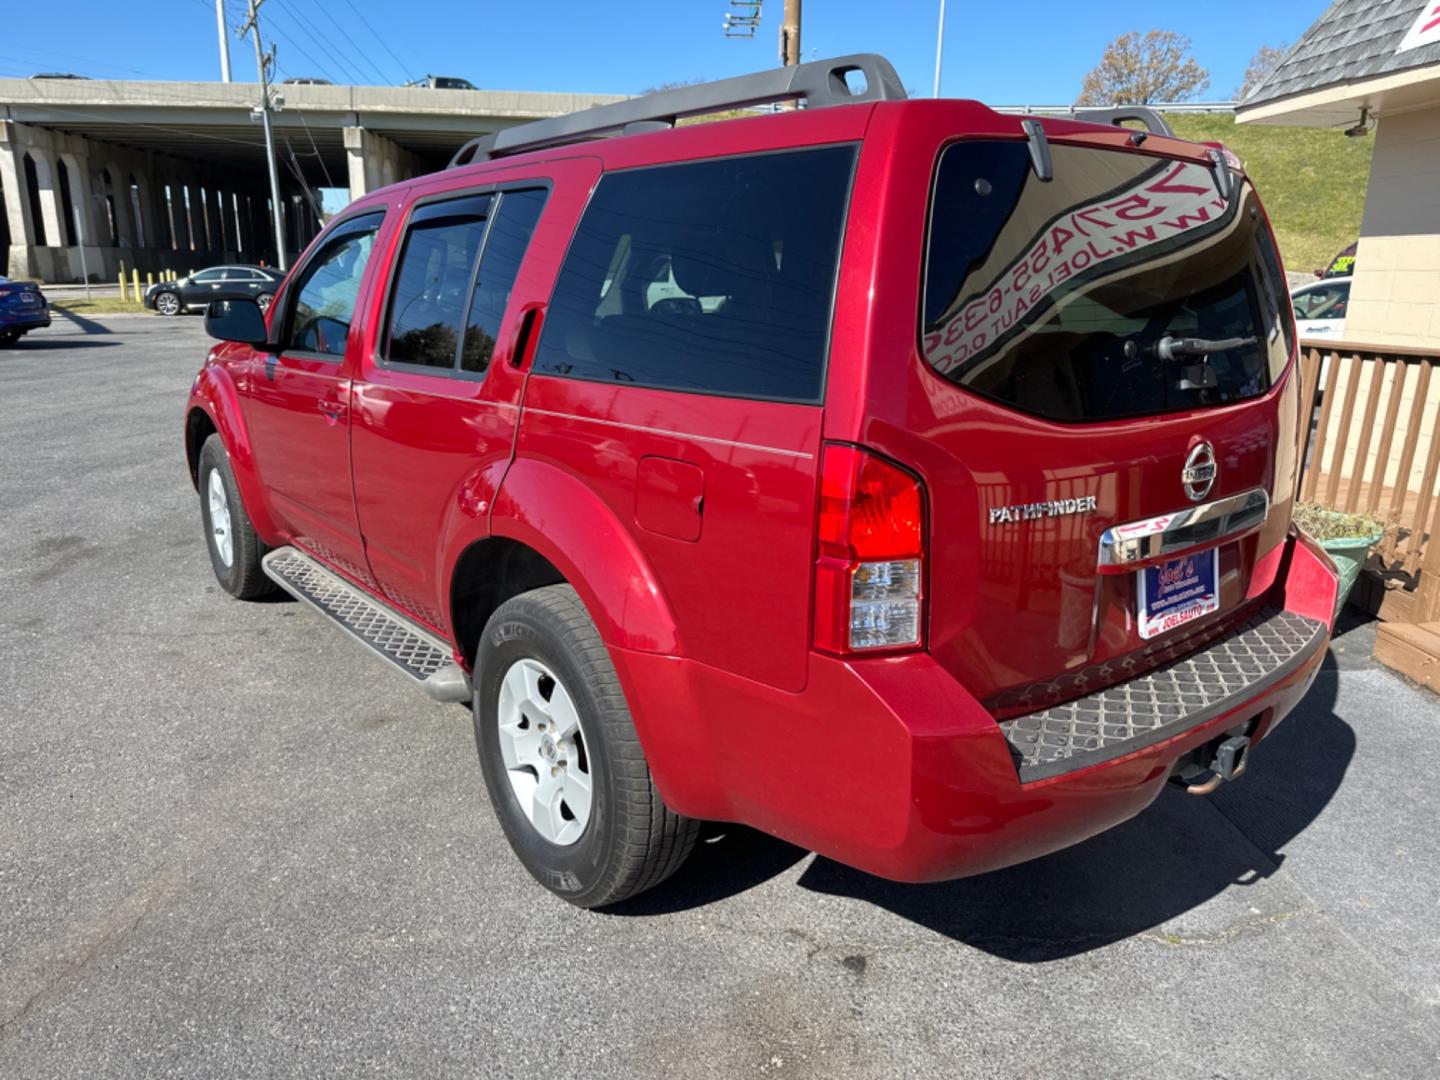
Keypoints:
(172, 175)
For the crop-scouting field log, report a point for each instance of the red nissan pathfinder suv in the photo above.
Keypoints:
(907, 480)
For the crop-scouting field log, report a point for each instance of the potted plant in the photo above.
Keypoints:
(1346, 538)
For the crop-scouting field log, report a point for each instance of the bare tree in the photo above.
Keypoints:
(1266, 59)
(1139, 69)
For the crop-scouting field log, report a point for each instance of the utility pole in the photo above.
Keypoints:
(790, 34)
(224, 40)
(262, 63)
(939, 47)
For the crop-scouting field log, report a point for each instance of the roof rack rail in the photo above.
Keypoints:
(1153, 121)
(819, 84)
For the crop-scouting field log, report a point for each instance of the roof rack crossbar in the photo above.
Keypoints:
(818, 84)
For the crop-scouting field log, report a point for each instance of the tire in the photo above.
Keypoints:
(168, 303)
(629, 841)
(237, 567)
(9, 338)
(263, 302)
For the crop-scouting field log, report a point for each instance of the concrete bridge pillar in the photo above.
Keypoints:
(47, 190)
(14, 187)
(375, 161)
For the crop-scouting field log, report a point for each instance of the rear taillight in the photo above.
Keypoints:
(870, 573)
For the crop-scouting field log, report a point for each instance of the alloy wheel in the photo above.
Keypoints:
(220, 518)
(542, 746)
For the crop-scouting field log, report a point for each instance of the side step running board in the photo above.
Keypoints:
(418, 653)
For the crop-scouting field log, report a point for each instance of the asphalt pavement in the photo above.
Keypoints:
(234, 844)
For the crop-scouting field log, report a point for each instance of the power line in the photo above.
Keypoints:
(404, 68)
(360, 53)
(352, 75)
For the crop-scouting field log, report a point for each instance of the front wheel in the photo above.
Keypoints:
(167, 303)
(235, 550)
(562, 763)
(263, 302)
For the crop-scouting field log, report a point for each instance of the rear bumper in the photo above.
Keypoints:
(25, 320)
(889, 765)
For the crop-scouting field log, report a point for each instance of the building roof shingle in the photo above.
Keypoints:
(1354, 39)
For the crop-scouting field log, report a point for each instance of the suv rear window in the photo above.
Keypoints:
(1057, 298)
(714, 277)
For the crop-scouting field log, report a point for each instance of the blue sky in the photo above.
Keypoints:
(1025, 52)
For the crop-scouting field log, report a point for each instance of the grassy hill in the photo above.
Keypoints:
(1312, 180)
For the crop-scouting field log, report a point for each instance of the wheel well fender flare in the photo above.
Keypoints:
(562, 519)
(214, 406)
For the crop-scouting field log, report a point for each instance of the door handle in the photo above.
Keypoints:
(333, 410)
(526, 336)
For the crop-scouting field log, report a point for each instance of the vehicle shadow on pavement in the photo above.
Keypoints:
(55, 344)
(1179, 853)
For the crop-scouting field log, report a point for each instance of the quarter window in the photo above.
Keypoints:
(712, 277)
(326, 290)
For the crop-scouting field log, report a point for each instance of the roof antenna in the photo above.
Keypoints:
(1039, 150)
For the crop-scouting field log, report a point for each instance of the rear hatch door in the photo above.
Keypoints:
(1102, 356)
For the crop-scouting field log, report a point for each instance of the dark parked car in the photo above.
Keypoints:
(256, 283)
(22, 309)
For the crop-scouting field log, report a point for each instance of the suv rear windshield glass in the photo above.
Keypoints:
(1125, 286)
(713, 277)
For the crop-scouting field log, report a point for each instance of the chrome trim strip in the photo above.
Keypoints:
(1208, 523)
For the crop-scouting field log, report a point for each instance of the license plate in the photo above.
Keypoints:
(28, 299)
(1177, 592)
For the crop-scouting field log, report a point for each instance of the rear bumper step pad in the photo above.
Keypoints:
(1165, 702)
(418, 653)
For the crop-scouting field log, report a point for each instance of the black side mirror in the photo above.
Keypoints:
(236, 320)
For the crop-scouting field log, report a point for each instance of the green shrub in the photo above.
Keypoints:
(1325, 523)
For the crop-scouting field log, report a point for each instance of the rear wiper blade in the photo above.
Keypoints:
(1173, 348)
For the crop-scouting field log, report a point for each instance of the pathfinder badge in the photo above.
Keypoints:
(1004, 515)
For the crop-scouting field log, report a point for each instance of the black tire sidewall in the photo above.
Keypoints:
(213, 459)
(519, 631)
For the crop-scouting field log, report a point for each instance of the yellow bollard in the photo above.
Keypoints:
(122, 286)
(149, 280)
(135, 284)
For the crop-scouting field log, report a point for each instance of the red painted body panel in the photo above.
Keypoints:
(890, 765)
(686, 523)
(429, 450)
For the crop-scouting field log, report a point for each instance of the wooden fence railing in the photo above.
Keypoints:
(1373, 447)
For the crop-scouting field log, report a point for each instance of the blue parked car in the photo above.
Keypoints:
(22, 308)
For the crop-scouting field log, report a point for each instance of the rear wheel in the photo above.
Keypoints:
(235, 550)
(565, 771)
(8, 338)
(167, 303)
(263, 301)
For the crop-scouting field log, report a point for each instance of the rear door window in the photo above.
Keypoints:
(457, 268)
(427, 303)
(713, 277)
(1125, 286)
